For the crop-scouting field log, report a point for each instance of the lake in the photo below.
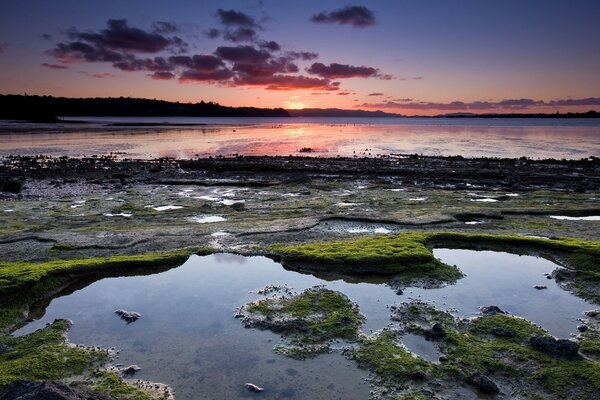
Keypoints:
(325, 137)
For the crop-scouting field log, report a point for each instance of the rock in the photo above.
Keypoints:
(238, 206)
(503, 332)
(580, 328)
(540, 287)
(417, 375)
(484, 384)
(491, 310)
(48, 390)
(555, 347)
(129, 316)
(254, 388)
(10, 186)
(399, 292)
(436, 332)
(4, 348)
(132, 369)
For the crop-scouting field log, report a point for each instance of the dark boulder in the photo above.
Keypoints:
(48, 390)
(484, 384)
(436, 332)
(491, 310)
(555, 347)
(128, 316)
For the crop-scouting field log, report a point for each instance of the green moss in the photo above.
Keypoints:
(260, 307)
(390, 360)
(411, 248)
(43, 355)
(323, 315)
(412, 395)
(523, 329)
(470, 348)
(384, 249)
(113, 386)
(476, 351)
(62, 247)
(591, 346)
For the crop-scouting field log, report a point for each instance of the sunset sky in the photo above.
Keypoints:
(410, 57)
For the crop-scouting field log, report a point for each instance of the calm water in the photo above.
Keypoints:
(187, 336)
(536, 138)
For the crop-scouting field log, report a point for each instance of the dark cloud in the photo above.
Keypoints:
(286, 82)
(216, 76)
(55, 66)
(145, 64)
(198, 62)
(375, 94)
(357, 16)
(47, 36)
(242, 54)
(589, 101)
(271, 46)
(212, 33)
(344, 93)
(116, 45)
(340, 71)
(164, 27)
(80, 51)
(267, 68)
(236, 18)
(241, 35)
(506, 105)
(121, 37)
(302, 55)
(162, 75)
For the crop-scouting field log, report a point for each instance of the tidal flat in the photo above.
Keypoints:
(350, 277)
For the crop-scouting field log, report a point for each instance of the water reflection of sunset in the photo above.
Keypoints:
(333, 139)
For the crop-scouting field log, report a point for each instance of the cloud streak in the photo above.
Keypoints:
(341, 71)
(459, 106)
(356, 16)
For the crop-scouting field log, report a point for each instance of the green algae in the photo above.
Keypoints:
(44, 354)
(116, 388)
(389, 360)
(409, 256)
(310, 319)
(471, 347)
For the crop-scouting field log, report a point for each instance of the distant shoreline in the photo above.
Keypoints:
(47, 109)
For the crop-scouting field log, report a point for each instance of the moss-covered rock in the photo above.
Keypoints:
(310, 320)
(44, 354)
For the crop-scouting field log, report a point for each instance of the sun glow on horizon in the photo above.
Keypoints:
(294, 105)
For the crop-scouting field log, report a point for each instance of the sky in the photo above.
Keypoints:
(410, 57)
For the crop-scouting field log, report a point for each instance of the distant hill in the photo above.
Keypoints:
(588, 114)
(48, 108)
(337, 112)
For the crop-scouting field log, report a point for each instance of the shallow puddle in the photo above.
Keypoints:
(187, 336)
(425, 349)
(567, 218)
(507, 281)
(207, 219)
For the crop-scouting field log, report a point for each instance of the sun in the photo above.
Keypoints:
(294, 105)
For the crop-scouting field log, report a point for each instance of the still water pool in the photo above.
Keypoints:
(187, 336)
